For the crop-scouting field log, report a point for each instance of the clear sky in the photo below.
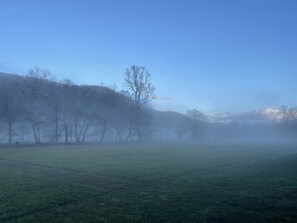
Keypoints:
(216, 56)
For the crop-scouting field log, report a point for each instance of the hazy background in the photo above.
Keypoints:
(217, 56)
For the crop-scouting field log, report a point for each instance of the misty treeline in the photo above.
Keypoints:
(36, 108)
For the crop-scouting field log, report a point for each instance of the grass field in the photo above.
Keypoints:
(148, 183)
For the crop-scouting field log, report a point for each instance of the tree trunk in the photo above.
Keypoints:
(138, 133)
(119, 133)
(35, 133)
(56, 127)
(9, 133)
(38, 135)
(85, 132)
(103, 131)
(129, 133)
(66, 133)
(77, 135)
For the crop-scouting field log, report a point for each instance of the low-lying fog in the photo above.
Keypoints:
(37, 109)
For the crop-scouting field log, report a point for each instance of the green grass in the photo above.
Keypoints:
(148, 183)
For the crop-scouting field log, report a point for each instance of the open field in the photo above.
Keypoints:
(148, 183)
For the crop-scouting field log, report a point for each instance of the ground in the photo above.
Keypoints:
(148, 183)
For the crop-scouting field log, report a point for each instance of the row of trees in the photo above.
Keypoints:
(38, 107)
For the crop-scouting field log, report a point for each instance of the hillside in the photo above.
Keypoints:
(38, 109)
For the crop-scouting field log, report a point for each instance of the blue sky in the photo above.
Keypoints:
(216, 56)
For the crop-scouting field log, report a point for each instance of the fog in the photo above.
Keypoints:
(37, 109)
(145, 111)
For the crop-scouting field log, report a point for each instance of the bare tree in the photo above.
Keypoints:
(284, 114)
(289, 117)
(139, 85)
(140, 89)
(33, 95)
(9, 112)
(193, 124)
(83, 112)
(68, 102)
(54, 111)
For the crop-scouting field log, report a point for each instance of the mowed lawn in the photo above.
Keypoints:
(148, 183)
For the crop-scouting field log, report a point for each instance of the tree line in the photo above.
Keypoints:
(38, 107)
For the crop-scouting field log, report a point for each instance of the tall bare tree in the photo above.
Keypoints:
(33, 95)
(139, 85)
(140, 89)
